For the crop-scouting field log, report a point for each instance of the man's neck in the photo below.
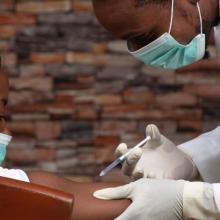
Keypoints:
(210, 11)
(215, 9)
(218, 11)
(217, 20)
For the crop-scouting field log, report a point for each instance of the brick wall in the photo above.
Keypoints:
(76, 93)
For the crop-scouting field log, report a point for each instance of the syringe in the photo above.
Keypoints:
(123, 157)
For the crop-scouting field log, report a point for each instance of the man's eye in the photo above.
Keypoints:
(142, 40)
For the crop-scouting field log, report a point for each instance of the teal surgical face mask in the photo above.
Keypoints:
(4, 142)
(165, 52)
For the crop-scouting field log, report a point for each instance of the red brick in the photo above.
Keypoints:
(201, 66)
(191, 125)
(86, 97)
(5, 45)
(123, 60)
(107, 141)
(108, 99)
(65, 98)
(79, 5)
(210, 124)
(28, 117)
(72, 85)
(166, 127)
(17, 19)
(176, 99)
(198, 77)
(29, 108)
(34, 83)
(58, 144)
(127, 111)
(31, 155)
(7, 5)
(115, 127)
(9, 59)
(43, 6)
(25, 96)
(45, 58)
(100, 47)
(77, 57)
(132, 139)
(101, 59)
(32, 70)
(180, 138)
(138, 96)
(7, 31)
(117, 46)
(124, 108)
(206, 91)
(86, 112)
(22, 142)
(142, 112)
(50, 107)
(104, 155)
(47, 130)
(164, 77)
(188, 114)
(86, 79)
(22, 128)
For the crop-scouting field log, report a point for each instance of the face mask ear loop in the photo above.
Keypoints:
(171, 17)
(200, 18)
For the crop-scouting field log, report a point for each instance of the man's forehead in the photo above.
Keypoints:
(123, 21)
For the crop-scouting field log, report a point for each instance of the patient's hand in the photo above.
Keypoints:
(87, 207)
(159, 159)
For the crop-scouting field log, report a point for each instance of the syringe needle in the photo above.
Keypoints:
(110, 166)
(123, 157)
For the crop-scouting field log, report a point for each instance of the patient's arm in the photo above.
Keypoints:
(86, 207)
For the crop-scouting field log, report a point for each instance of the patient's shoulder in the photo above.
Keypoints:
(14, 174)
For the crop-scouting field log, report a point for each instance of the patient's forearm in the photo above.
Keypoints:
(86, 207)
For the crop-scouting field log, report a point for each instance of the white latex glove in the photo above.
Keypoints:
(159, 159)
(164, 200)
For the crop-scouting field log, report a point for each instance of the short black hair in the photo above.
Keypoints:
(138, 3)
(141, 3)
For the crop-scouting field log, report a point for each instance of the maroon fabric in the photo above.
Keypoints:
(26, 201)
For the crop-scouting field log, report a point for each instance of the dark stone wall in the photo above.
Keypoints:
(76, 93)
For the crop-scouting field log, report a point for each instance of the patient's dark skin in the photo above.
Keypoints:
(85, 205)
(4, 89)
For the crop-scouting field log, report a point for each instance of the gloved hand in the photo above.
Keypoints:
(164, 200)
(159, 158)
